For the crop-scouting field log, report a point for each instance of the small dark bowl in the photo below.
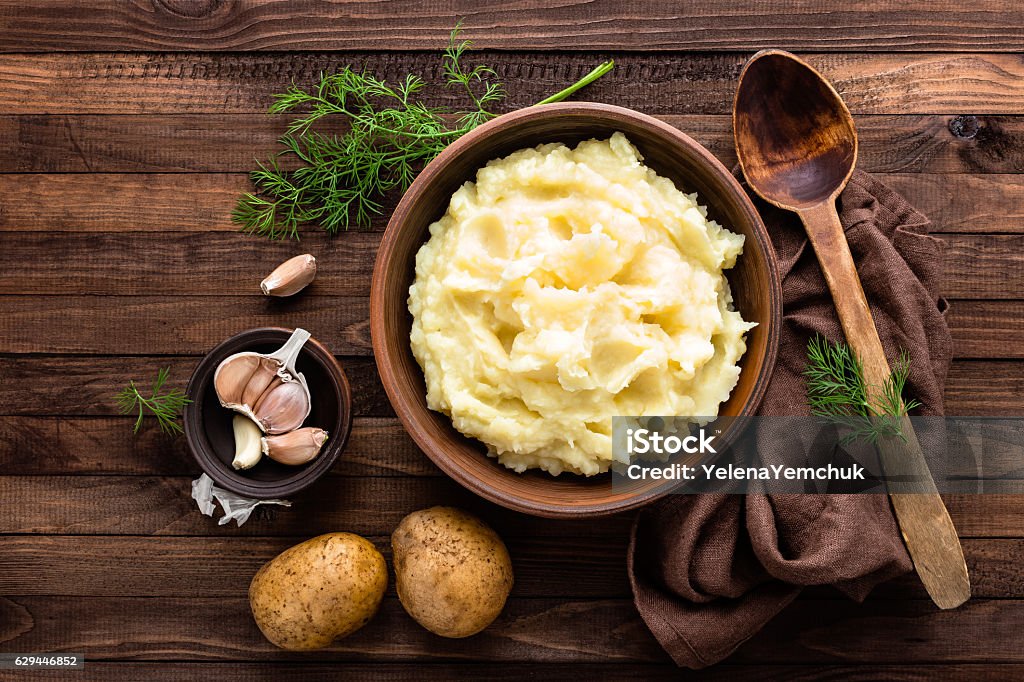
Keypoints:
(208, 425)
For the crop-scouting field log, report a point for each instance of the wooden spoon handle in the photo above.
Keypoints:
(927, 530)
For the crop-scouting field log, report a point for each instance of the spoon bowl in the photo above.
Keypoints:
(795, 136)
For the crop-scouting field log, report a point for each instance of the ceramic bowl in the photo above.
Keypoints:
(208, 429)
(754, 281)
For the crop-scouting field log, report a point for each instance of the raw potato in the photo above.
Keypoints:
(318, 591)
(452, 571)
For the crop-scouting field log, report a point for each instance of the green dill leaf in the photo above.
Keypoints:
(166, 406)
(838, 392)
(340, 181)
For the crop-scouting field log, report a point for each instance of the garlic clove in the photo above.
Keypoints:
(248, 442)
(231, 377)
(260, 379)
(282, 407)
(295, 447)
(290, 277)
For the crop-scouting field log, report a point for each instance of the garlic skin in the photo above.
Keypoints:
(290, 277)
(282, 407)
(262, 376)
(248, 443)
(295, 447)
(232, 376)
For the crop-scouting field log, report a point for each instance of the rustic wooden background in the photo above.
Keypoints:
(126, 130)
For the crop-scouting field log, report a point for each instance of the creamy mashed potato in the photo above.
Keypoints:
(567, 286)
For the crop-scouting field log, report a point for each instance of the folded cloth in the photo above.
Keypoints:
(708, 571)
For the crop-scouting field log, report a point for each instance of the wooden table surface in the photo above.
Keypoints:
(126, 131)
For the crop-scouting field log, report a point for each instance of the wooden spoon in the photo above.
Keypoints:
(797, 146)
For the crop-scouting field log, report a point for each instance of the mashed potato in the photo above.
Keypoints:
(565, 287)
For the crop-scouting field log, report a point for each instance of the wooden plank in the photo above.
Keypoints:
(530, 630)
(190, 265)
(411, 25)
(984, 266)
(41, 385)
(312, 671)
(222, 628)
(223, 567)
(128, 202)
(980, 387)
(150, 505)
(220, 83)
(162, 203)
(229, 143)
(986, 329)
(144, 505)
(377, 446)
(965, 203)
(979, 266)
(174, 324)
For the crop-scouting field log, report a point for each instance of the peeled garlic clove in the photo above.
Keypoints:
(232, 376)
(290, 277)
(262, 375)
(295, 447)
(282, 407)
(248, 445)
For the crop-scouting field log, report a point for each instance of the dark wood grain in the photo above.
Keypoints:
(26, 386)
(549, 566)
(188, 265)
(149, 505)
(985, 388)
(315, 671)
(230, 143)
(414, 25)
(219, 83)
(172, 324)
(377, 446)
(538, 630)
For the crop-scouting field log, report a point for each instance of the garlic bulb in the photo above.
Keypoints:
(295, 447)
(266, 388)
(248, 445)
(290, 277)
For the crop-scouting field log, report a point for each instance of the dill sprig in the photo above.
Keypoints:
(341, 179)
(166, 407)
(837, 391)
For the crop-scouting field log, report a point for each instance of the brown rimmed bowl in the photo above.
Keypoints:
(211, 439)
(754, 281)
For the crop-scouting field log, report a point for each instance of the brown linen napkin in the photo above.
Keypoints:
(708, 571)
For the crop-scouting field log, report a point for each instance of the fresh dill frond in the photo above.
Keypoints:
(341, 179)
(838, 391)
(165, 406)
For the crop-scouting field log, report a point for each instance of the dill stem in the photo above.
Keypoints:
(594, 74)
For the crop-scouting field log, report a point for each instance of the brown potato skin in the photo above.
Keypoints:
(452, 571)
(318, 591)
